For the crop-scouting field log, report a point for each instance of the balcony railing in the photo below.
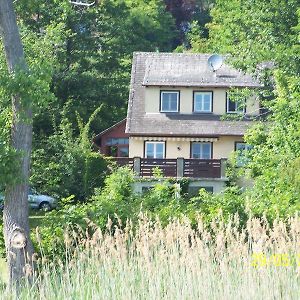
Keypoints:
(180, 167)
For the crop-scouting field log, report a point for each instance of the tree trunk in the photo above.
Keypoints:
(16, 225)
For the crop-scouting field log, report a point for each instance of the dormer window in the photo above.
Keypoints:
(235, 107)
(203, 102)
(169, 101)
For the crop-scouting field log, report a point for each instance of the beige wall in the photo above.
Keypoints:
(224, 146)
(152, 100)
(221, 148)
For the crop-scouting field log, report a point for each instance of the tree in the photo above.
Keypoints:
(94, 54)
(256, 32)
(187, 12)
(19, 248)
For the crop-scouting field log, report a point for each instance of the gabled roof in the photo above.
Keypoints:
(185, 70)
(97, 137)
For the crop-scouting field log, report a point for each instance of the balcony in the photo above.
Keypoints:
(180, 167)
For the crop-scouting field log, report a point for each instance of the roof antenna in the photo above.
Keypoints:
(215, 62)
(82, 3)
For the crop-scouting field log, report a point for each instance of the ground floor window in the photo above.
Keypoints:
(201, 150)
(155, 149)
(117, 147)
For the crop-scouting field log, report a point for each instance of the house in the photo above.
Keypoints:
(113, 141)
(175, 119)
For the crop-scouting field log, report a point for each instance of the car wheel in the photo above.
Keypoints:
(45, 206)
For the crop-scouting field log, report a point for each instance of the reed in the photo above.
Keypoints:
(149, 261)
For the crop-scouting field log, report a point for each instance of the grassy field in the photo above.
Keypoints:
(177, 262)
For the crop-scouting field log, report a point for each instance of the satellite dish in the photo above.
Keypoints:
(215, 62)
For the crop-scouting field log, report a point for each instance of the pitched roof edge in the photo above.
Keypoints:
(108, 129)
(131, 91)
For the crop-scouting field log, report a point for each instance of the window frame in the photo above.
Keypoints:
(236, 103)
(241, 158)
(211, 149)
(211, 102)
(161, 99)
(247, 148)
(154, 152)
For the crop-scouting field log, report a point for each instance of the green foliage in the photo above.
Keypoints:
(115, 201)
(93, 50)
(254, 32)
(118, 203)
(66, 164)
(275, 157)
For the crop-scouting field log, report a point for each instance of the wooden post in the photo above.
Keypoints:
(223, 167)
(137, 166)
(180, 167)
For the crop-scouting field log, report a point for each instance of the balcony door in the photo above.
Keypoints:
(201, 150)
(155, 149)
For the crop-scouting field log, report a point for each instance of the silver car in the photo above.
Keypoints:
(37, 201)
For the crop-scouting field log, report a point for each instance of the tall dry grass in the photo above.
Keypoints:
(176, 262)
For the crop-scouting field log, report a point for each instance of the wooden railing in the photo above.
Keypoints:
(199, 168)
(123, 161)
(168, 167)
(180, 167)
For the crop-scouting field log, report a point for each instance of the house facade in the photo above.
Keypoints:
(177, 105)
(180, 116)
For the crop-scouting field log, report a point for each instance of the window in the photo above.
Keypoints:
(117, 147)
(234, 107)
(169, 101)
(242, 151)
(117, 141)
(124, 151)
(203, 102)
(155, 149)
(201, 150)
(241, 146)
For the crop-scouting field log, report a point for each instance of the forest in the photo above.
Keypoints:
(77, 84)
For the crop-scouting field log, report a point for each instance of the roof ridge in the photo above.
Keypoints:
(170, 53)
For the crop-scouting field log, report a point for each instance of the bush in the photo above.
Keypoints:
(64, 165)
(117, 202)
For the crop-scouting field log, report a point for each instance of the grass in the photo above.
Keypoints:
(3, 271)
(176, 262)
(36, 218)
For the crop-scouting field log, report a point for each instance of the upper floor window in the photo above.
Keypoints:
(203, 102)
(169, 101)
(242, 150)
(235, 106)
(155, 149)
(201, 150)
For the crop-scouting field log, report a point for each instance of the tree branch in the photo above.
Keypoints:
(82, 3)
